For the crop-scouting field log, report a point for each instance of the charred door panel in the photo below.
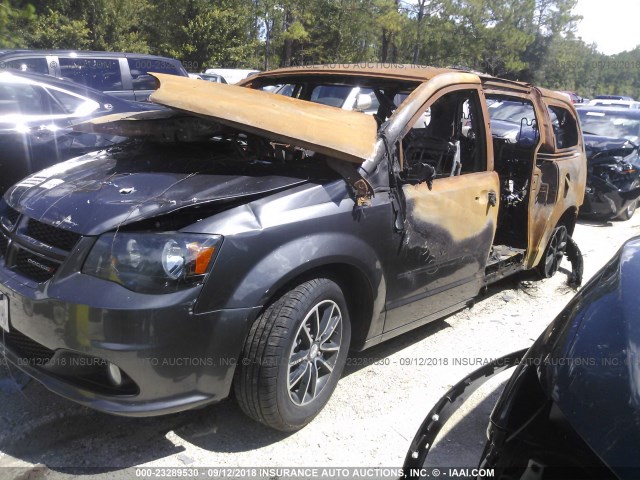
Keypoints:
(547, 193)
(559, 178)
(444, 247)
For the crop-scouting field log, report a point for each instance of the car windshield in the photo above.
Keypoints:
(511, 111)
(610, 124)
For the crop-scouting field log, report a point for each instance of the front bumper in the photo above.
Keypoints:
(172, 359)
(604, 200)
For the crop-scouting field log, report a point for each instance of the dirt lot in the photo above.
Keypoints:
(378, 405)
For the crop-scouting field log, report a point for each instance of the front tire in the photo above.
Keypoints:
(628, 212)
(294, 355)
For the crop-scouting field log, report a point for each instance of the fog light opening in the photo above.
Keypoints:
(115, 374)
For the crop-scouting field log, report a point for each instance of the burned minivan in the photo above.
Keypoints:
(247, 240)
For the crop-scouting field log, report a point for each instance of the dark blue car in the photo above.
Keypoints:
(612, 140)
(36, 117)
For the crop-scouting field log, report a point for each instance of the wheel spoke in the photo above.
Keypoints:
(305, 384)
(313, 381)
(297, 358)
(315, 332)
(324, 364)
(329, 347)
(298, 374)
(332, 325)
(549, 260)
(305, 335)
(327, 317)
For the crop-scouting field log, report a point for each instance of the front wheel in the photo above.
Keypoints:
(554, 252)
(294, 355)
(628, 212)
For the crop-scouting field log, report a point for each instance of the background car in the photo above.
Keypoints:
(572, 407)
(212, 77)
(36, 117)
(612, 139)
(615, 103)
(575, 98)
(232, 75)
(124, 75)
(612, 97)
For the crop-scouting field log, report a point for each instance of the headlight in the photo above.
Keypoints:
(152, 262)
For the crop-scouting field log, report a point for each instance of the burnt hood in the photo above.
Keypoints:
(591, 365)
(101, 191)
(340, 134)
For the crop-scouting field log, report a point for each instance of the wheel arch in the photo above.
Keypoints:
(568, 219)
(356, 286)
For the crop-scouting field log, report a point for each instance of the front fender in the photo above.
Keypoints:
(294, 258)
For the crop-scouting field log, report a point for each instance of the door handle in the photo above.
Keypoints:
(493, 200)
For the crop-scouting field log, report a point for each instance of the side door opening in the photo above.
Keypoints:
(515, 136)
(450, 208)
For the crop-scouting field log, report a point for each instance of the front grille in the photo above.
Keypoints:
(54, 236)
(24, 347)
(4, 245)
(34, 266)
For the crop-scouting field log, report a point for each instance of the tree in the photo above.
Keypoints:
(66, 34)
(15, 19)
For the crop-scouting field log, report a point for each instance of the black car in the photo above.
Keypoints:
(36, 117)
(124, 75)
(612, 144)
(572, 407)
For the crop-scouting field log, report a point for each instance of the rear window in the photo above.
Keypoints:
(512, 111)
(332, 95)
(140, 68)
(32, 65)
(73, 104)
(564, 127)
(25, 99)
(101, 74)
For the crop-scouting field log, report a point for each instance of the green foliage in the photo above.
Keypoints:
(54, 30)
(530, 40)
(14, 20)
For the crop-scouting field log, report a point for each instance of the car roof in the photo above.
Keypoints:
(400, 72)
(406, 72)
(80, 53)
(629, 112)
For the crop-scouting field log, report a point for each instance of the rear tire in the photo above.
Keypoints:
(294, 355)
(554, 252)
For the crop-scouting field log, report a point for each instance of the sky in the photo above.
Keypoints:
(614, 25)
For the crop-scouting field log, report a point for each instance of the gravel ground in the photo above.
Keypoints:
(369, 422)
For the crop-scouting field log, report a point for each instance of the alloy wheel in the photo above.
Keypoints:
(555, 251)
(314, 352)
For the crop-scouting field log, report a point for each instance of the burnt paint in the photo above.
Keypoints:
(442, 252)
